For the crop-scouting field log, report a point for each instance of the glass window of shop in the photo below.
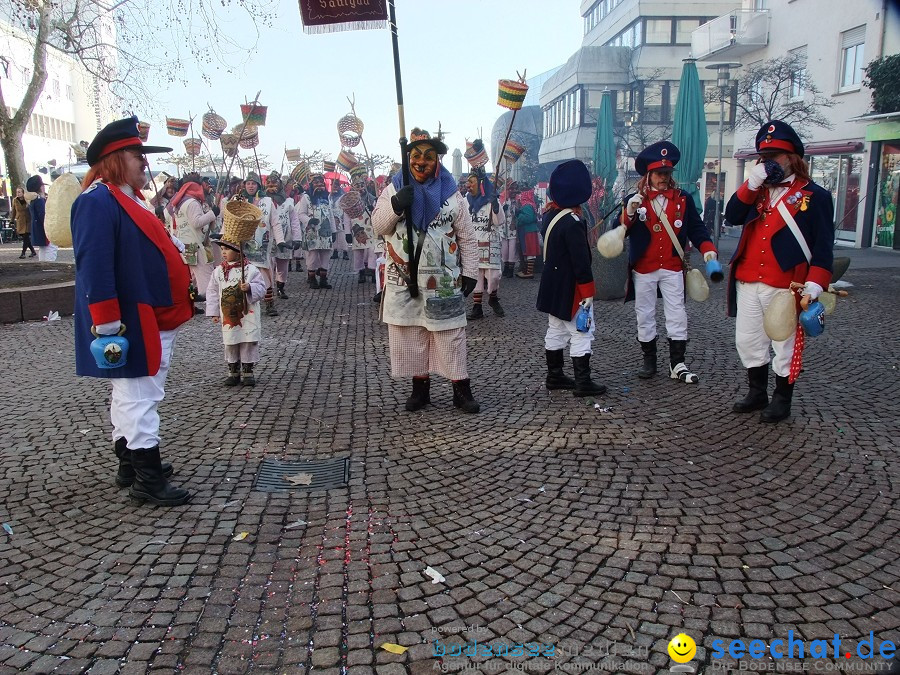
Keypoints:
(840, 175)
(888, 196)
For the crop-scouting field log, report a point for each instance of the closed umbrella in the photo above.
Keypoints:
(605, 150)
(689, 131)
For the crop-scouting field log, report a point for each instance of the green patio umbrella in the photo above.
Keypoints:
(605, 149)
(689, 131)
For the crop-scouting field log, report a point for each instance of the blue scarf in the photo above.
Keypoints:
(486, 193)
(428, 196)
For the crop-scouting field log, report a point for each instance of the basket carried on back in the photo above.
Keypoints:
(352, 204)
(240, 220)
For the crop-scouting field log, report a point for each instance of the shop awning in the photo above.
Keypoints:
(824, 148)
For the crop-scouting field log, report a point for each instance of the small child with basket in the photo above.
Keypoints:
(235, 290)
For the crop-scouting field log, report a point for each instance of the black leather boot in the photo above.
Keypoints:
(462, 397)
(780, 407)
(323, 278)
(234, 374)
(281, 293)
(494, 302)
(149, 482)
(648, 370)
(125, 475)
(677, 369)
(247, 377)
(311, 280)
(334, 255)
(420, 397)
(556, 378)
(757, 397)
(270, 308)
(476, 312)
(362, 277)
(584, 385)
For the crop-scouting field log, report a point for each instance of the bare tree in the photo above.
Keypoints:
(781, 89)
(130, 47)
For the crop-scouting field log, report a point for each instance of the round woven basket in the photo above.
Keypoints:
(352, 204)
(177, 127)
(229, 144)
(511, 94)
(144, 131)
(213, 126)
(248, 138)
(240, 220)
(192, 146)
(346, 160)
(301, 173)
(513, 151)
(254, 114)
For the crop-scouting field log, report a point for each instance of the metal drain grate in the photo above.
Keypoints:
(277, 476)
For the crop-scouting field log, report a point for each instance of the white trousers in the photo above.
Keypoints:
(750, 337)
(561, 334)
(134, 402)
(671, 286)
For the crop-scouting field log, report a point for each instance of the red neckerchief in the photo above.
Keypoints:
(228, 266)
(669, 194)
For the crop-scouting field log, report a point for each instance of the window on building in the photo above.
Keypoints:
(658, 31)
(671, 99)
(798, 76)
(55, 88)
(652, 104)
(760, 4)
(683, 30)
(69, 92)
(853, 44)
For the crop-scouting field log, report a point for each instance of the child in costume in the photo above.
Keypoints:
(233, 296)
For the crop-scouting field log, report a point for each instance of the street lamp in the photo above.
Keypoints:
(723, 81)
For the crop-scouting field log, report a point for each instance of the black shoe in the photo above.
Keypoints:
(311, 280)
(377, 298)
(334, 255)
(420, 397)
(33, 254)
(780, 407)
(281, 293)
(149, 482)
(346, 256)
(199, 310)
(494, 302)
(362, 277)
(477, 312)
(462, 397)
(270, 308)
(247, 377)
(22, 257)
(234, 374)
(584, 385)
(648, 370)
(757, 397)
(125, 475)
(556, 378)
(323, 282)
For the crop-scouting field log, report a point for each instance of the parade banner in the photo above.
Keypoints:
(331, 16)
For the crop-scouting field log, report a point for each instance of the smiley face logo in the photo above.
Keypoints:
(682, 648)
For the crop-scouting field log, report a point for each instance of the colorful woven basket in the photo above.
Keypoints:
(359, 171)
(350, 129)
(229, 144)
(513, 151)
(192, 146)
(346, 160)
(177, 127)
(475, 154)
(511, 94)
(240, 220)
(301, 173)
(254, 114)
(213, 126)
(328, 166)
(352, 204)
(144, 131)
(294, 155)
(248, 136)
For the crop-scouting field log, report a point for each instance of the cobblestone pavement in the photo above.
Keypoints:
(595, 529)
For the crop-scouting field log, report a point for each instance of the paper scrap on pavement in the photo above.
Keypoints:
(300, 479)
(295, 525)
(393, 649)
(7, 528)
(240, 537)
(436, 577)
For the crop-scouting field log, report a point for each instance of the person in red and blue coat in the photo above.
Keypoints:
(654, 263)
(788, 237)
(567, 283)
(131, 280)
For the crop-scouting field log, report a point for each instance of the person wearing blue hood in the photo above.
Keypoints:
(487, 219)
(567, 283)
(432, 260)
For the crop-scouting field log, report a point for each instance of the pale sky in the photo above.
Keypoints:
(451, 52)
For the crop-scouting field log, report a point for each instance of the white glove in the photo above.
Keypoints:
(757, 176)
(587, 303)
(112, 328)
(710, 255)
(633, 204)
(812, 289)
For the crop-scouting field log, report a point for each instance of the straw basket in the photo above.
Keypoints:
(144, 131)
(352, 204)
(350, 129)
(301, 173)
(213, 126)
(328, 166)
(359, 171)
(346, 160)
(177, 127)
(476, 155)
(511, 94)
(229, 144)
(240, 220)
(254, 114)
(513, 151)
(248, 138)
(192, 146)
(294, 155)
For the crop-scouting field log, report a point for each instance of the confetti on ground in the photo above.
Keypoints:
(83, 431)
(393, 649)
(300, 479)
(607, 409)
(7, 528)
(436, 577)
(240, 537)
(295, 525)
